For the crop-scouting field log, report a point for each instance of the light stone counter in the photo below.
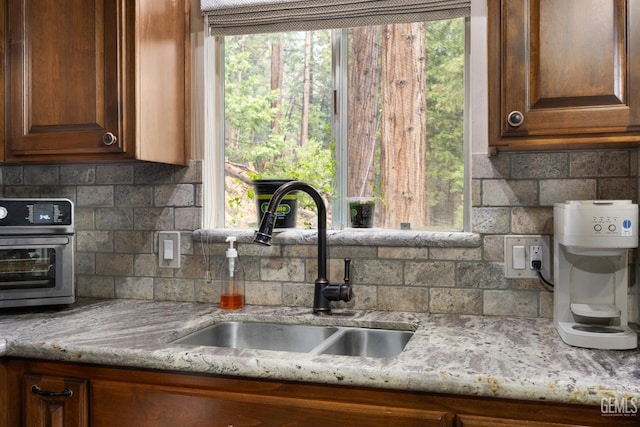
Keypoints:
(474, 355)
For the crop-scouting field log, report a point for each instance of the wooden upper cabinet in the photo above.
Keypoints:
(563, 72)
(92, 80)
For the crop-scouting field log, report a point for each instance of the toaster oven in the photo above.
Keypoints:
(36, 252)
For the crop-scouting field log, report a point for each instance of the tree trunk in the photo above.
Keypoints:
(276, 80)
(306, 91)
(362, 110)
(403, 144)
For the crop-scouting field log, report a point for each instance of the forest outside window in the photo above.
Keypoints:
(370, 111)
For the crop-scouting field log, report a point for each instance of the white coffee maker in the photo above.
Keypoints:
(592, 239)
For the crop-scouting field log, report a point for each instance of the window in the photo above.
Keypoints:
(372, 111)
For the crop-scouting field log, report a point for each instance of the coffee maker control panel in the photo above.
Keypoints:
(612, 224)
(589, 223)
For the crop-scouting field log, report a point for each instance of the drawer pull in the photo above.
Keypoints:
(44, 393)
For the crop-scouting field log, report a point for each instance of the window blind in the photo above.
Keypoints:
(228, 17)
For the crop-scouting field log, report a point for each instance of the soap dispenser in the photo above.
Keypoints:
(232, 295)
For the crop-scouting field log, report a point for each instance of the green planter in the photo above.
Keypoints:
(287, 209)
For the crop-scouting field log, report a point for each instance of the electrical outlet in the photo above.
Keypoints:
(535, 254)
(520, 251)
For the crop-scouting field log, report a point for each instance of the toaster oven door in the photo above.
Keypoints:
(36, 270)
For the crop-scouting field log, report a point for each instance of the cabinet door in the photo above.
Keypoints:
(55, 402)
(115, 404)
(571, 68)
(64, 90)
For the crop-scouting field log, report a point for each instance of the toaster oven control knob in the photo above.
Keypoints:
(3, 212)
(109, 138)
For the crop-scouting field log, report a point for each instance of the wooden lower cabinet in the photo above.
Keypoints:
(116, 405)
(105, 396)
(55, 401)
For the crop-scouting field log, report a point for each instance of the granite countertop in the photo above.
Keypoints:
(517, 358)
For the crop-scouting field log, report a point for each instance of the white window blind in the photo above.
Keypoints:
(227, 17)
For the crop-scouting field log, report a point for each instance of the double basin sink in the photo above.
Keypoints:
(333, 340)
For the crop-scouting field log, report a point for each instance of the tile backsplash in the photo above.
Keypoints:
(120, 208)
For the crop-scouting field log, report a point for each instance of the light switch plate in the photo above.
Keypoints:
(169, 249)
(529, 240)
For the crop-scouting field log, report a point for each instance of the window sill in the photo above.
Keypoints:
(359, 237)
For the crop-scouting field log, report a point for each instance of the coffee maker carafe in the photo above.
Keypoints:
(592, 239)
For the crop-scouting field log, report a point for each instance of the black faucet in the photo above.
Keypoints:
(324, 292)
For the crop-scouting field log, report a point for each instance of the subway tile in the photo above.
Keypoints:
(539, 165)
(618, 189)
(600, 163)
(490, 220)
(457, 254)
(282, 269)
(77, 175)
(148, 265)
(507, 303)
(560, 190)
(114, 174)
(491, 167)
(532, 220)
(180, 195)
(41, 175)
(133, 195)
(152, 173)
(263, 293)
(510, 192)
(378, 272)
(429, 273)
(95, 286)
(403, 253)
(153, 218)
(400, 298)
(94, 241)
(207, 292)
(114, 218)
(172, 289)
(114, 264)
(133, 242)
(94, 196)
(481, 275)
(134, 287)
(455, 301)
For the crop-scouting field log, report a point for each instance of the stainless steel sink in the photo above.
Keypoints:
(333, 340)
(260, 336)
(368, 343)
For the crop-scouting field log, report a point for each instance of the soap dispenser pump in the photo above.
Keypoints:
(232, 295)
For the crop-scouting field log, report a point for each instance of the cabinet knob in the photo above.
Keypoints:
(515, 118)
(44, 393)
(109, 138)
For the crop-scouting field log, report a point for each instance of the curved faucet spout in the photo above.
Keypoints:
(324, 291)
(264, 233)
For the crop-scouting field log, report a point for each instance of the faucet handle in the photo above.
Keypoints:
(347, 270)
(342, 292)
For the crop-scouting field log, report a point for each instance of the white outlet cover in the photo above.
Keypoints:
(171, 239)
(527, 241)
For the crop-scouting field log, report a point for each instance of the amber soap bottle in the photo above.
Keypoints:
(232, 295)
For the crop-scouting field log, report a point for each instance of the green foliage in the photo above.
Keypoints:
(445, 117)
